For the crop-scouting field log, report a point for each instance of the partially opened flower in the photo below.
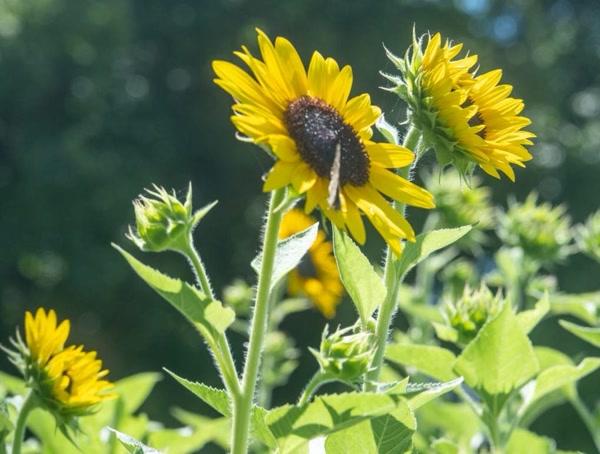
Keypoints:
(317, 276)
(321, 138)
(467, 118)
(66, 381)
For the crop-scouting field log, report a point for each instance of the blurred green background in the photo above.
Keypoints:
(99, 99)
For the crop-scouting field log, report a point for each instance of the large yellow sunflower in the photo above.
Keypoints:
(320, 138)
(69, 379)
(466, 118)
(317, 276)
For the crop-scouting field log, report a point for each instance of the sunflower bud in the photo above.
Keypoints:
(588, 236)
(238, 295)
(467, 315)
(345, 356)
(282, 358)
(457, 275)
(162, 221)
(542, 231)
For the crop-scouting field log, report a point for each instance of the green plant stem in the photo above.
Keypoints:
(221, 349)
(392, 281)
(588, 420)
(29, 404)
(319, 379)
(242, 405)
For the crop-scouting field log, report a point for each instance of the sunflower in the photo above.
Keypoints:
(320, 138)
(317, 275)
(68, 380)
(467, 118)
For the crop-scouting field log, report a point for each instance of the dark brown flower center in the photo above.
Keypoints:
(319, 130)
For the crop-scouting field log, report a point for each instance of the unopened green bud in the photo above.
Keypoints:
(468, 315)
(588, 236)
(345, 355)
(281, 355)
(542, 231)
(238, 295)
(457, 275)
(162, 221)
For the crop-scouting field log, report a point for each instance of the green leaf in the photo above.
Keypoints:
(455, 420)
(556, 377)
(363, 284)
(591, 335)
(289, 253)
(437, 362)
(500, 358)
(12, 384)
(445, 446)
(196, 433)
(215, 398)
(426, 244)
(529, 319)
(132, 445)
(294, 426)
(584, 306)
(388, 434)
(433, 391)
(208, 317)
(219, 401)
(135, 389)
(523, 441)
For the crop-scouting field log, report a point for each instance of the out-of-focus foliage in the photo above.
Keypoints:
(100, 99)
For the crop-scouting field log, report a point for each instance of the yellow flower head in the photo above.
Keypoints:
(69, 380)
(467, 118)
(317, 275)
(321, 138)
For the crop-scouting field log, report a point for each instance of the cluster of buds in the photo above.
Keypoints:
(345, 355)
(466, 316)
(588, 236)
(461, 202)
(542, 231)
(163, 222)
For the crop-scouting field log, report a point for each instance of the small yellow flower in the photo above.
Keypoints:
(317, 275)
(69, 380)
(321, 138)
(467, 118)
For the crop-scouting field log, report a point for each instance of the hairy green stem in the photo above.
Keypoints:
(242, 405)
(588, 419)
(29, 404)
(221, 349)
(392, 281)
(319, 379)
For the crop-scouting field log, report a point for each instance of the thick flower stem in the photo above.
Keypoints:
(221, 350)
(242, 405)
(29, 404)
(392, 281)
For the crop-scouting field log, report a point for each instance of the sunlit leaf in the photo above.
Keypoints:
(530, 318)
(437, 362)
(500, 358)
(591, 335)
(132, 445)
(426, 244)
(289, 253)
(208, 316)
(363, 284)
